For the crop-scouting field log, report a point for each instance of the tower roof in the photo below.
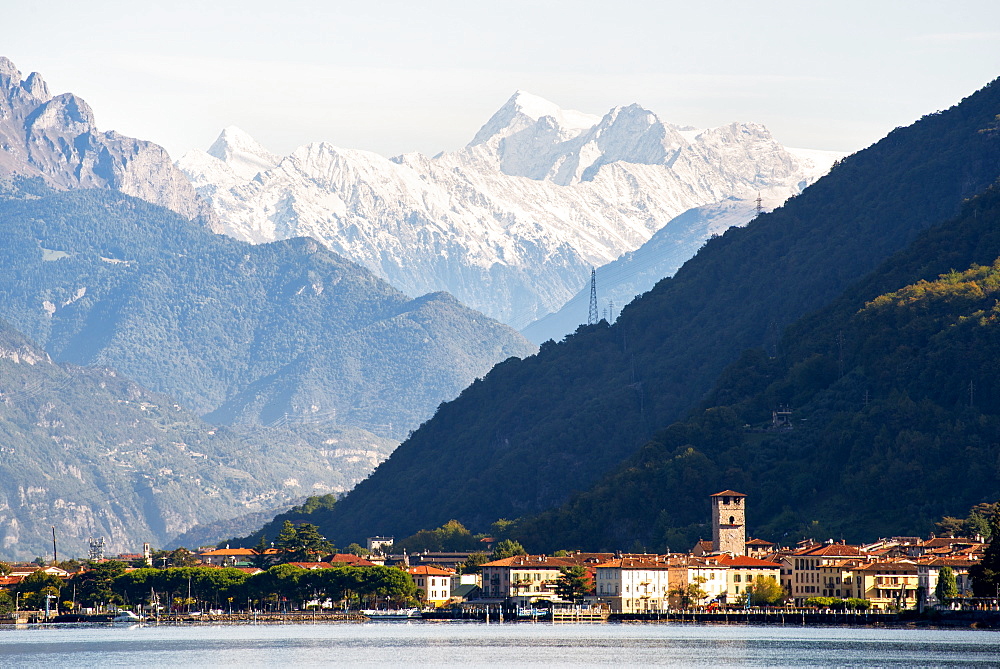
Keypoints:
(728, 493)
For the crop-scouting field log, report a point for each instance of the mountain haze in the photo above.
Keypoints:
(278, 333)
(637, 271)
(512, 223)
(95, 454)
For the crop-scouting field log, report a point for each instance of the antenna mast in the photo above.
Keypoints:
(760, 204)
(592, 317)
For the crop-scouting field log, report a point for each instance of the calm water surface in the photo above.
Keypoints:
(475, 644)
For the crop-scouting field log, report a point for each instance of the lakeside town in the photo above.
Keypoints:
(730, 572)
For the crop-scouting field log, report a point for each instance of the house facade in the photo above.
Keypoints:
(527, 578)
(434, 581)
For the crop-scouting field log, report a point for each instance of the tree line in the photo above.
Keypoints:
(281, 587)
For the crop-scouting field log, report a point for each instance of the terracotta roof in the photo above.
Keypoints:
(351, 559)
(759, 542)
(232, 552)
(938, 542)
(427, 570)
(840, 564)
(312, 565)
(639, 563)
(887, 564)
(742, 561)
(546, 562)
(831, 550)
(728, 493)
(947, 562)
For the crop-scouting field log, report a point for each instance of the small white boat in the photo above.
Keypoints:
(391, 614)
(126, 617)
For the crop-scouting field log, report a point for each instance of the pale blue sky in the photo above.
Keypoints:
(393, 77)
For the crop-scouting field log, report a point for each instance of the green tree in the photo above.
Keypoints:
(573, 583)
(179, 557)
(33, 589)
(825, 602)
(473, 563)
(95, 586)
(985, 574)
(765, 591)
(6, 603)
(357, 549)
(501, 529)
(287, 537)
(949, 526)
(301, 544)
(452, 536)
(691, 594)
(976, 525)
(4, 568)
(947, 586)
(507, 548)
(260, 558)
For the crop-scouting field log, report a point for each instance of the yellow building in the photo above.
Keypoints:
(741, 572)
(889, 585)
(838, 579)
(435, 582)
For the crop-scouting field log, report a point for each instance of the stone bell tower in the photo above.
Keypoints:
(729, 530)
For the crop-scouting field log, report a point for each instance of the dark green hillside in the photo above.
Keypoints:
(95, 454)
(534, 431)
(896, 414)
(246, 334)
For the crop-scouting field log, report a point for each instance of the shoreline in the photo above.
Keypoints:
(980, 620)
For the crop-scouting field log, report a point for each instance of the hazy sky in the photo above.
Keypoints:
(423, 76)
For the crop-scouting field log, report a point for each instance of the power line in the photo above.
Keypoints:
(592, 317)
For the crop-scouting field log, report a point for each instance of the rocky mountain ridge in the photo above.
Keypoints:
(56, 138)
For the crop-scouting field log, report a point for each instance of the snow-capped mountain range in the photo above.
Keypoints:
(512, 223)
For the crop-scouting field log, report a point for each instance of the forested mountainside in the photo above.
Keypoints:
(532, 432)
(281, 333)
(894, 415)
(95, 454)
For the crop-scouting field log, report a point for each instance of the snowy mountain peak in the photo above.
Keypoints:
(242, 153)
(524, 110)
(537, 107)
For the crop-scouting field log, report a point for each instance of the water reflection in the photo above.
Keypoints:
(474, 644)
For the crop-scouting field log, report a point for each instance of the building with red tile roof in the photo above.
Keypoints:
(436, 583)
(349, 559)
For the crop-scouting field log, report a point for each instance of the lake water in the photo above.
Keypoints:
(475, 644)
